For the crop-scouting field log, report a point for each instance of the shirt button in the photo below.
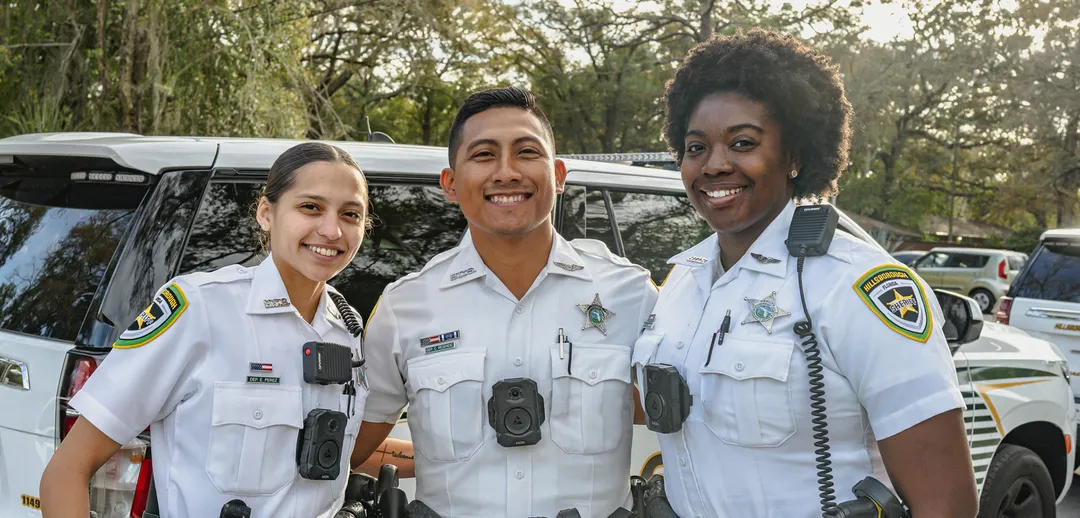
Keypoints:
(682, 461)
(679, 345)
(738, 366)
(520, 309)
(592, 375)
(441, 380)
(257, 414)
(518, 362)
(520, 475)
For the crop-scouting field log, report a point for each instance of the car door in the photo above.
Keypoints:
(931, 267)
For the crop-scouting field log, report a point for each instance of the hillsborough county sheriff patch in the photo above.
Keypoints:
(897, 298)
(155, 319)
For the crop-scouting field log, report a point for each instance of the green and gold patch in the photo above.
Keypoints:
(897, 298)
(157, 318)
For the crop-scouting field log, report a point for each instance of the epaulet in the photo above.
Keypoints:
(849, 248)
(598, 249)
(225, 274)
(440, 258)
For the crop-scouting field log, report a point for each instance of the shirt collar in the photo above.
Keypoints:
(467, 264)
(769, 253)
(565, 260)
(699, 255)
(268, 294)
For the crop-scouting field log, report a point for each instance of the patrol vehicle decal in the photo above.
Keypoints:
(157, 318)
(894, 295)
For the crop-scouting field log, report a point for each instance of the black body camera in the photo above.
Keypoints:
(318, 451)
(327, 363)
(516, 411)
(667, 398)
(235, 509)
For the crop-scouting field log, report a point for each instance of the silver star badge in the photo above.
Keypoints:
(764, 311)
(595, 315)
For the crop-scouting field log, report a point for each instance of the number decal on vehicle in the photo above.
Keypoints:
(32, 502)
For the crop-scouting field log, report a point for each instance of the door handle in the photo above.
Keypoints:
(14, 373)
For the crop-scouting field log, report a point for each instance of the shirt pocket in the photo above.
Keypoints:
(446, 409)
(253, 434)
(745, 396)
(591, 410)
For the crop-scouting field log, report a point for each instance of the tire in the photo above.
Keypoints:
(1017, 485)
(984, 298)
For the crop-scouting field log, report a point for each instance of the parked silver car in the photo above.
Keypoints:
(980, 273)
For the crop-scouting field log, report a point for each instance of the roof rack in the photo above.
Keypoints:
(662, 159)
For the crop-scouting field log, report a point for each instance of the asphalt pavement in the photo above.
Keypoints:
(1070, 507)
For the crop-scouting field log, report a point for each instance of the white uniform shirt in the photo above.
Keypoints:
(746, 448)
(216, 433)
(440, 338)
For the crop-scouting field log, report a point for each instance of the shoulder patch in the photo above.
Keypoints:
(158, 317)
(898, 299)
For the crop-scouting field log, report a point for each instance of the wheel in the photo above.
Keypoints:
(1017, 485)
(984, 298)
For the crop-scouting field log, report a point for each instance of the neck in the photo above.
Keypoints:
(304, 293)
(516, 260)
(733, 245)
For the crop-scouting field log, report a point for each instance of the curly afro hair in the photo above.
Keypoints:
(800, 89)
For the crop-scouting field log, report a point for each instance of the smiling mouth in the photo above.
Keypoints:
(324, 251)
(722, 193)
(508, 199)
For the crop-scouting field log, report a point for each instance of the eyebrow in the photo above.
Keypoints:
(323, 199)
(493, 142)
(730, 129)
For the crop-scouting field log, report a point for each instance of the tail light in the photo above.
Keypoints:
(121, 488)
(1001, 270)
(80, 372)
(1004, 310)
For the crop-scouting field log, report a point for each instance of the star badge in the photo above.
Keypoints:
(595, 315)
(764, 311)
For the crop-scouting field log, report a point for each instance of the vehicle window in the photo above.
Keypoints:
(655, 227)
(967, 260)
(51, 262)
(1016, 262)
(412, 224)
(933, 260)
(585, 215)
(1054, 274)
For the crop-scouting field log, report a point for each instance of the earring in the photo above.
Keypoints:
(794, 173)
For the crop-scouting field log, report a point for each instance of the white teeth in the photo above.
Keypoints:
(508, 199)
(724, 192)
(328, 252)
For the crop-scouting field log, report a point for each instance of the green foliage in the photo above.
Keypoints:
(1025, 239)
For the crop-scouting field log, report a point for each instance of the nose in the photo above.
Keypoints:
(506, 172)
(718, 162)
(330, 226)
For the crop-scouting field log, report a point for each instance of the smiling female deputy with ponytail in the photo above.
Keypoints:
(756, 121)
(213, 365)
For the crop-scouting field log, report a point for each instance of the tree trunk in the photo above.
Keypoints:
(129, 114)
(103, 69)
(705, 28)
(1070, 174)
(427, 123)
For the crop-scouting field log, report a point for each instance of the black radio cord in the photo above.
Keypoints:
(804, 330)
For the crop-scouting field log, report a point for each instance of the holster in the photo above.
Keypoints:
(654, 500)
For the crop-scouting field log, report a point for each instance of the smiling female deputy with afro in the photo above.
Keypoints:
(757, 121)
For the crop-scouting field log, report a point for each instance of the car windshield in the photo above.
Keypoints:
(1054, 274)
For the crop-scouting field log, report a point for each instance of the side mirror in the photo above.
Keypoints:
(963, 318)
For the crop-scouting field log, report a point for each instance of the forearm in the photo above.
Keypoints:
(64, 493)
(391, 451)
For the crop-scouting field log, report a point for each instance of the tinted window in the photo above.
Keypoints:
(1053, 274)
(585, 215)
(933, 260)
(412, 225)
(654, 227)
(51, 262)
(967, 260)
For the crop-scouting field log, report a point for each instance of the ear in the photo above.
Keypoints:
(560, 176)
(262, 213)
(446, 181)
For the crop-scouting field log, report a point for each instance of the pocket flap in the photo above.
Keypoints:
(645, 347)
(444, 370)
(743, 359)
(593, 363)
(257, 406)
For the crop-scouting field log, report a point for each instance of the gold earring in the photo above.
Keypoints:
(794, 173)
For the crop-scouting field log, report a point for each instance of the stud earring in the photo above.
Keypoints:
(794, 173)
